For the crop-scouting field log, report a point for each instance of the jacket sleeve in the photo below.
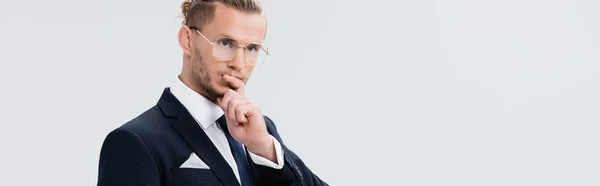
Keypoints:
(294, 171)
(126, 161)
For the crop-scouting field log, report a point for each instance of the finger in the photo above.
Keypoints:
(229, 95)
(223, 101)
(231, 108)
(236, 83)
(241, 111)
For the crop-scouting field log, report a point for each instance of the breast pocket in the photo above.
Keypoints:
(193, 177)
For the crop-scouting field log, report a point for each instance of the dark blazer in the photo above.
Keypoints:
(149, 149)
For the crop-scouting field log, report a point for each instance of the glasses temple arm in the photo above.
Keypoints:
(207, 40)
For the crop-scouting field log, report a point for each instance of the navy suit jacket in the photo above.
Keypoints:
(149, 149)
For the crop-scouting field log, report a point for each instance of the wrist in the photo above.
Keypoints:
(264, 147)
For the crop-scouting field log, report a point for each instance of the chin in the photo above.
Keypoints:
(221, 88)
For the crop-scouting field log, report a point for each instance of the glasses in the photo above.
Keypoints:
(225, 48)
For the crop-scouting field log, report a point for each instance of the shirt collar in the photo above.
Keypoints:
(203, 110)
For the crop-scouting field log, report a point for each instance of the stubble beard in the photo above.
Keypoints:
(202, 77)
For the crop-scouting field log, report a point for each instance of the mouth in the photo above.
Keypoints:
(238, 76)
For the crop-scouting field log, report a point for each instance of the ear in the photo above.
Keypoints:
(184, 36)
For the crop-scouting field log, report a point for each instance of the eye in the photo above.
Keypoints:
(252, 47)
(225, 42)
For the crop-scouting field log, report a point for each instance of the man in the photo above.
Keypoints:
(203, 130)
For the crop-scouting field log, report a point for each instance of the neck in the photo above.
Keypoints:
(192, 84)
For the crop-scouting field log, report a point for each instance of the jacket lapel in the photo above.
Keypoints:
(183, 122)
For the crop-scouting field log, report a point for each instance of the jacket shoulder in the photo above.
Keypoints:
(151, 128)
(150, 123)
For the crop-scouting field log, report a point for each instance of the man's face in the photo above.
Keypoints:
(208, 70)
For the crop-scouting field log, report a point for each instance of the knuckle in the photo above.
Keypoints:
(239, 109)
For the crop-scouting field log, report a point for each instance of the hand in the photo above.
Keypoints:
(245, 120)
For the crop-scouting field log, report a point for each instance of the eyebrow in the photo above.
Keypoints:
(230, 37)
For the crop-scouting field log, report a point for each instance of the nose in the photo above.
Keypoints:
(238, 61)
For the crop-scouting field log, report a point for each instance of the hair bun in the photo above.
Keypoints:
(185, 6)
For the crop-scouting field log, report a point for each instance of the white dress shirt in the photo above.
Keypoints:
(206, 114)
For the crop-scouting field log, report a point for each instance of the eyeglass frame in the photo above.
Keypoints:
(262, 47)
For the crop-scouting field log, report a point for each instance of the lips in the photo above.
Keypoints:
(238, 76)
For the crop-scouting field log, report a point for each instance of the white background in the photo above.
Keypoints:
(428, 92)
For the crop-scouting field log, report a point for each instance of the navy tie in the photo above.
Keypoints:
(238, 154)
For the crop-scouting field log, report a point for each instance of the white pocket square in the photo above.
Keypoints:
(194, 162)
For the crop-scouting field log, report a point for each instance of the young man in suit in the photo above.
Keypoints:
(204, 130)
